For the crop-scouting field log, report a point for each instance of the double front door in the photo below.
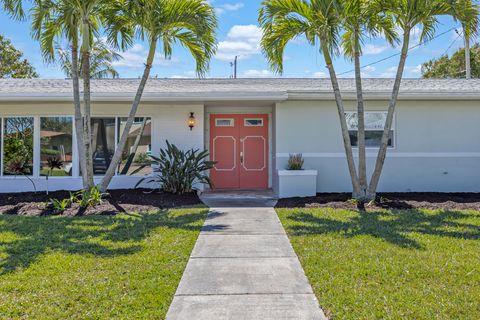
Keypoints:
(239, 145)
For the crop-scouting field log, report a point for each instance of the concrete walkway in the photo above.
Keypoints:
(243, 267)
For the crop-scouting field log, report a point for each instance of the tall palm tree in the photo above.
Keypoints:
(191, 23)
(79, 23)
(407, 15)
(320, 22)
(361, 19)
(102, 59)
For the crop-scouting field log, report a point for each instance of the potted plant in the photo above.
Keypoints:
(295, 181)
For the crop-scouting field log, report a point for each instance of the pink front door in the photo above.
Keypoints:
(239, 145)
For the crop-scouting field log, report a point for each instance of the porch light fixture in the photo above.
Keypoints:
(191, 121)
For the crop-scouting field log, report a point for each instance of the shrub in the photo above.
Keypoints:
(176, 171)
(295, 162)
(60, 206)
(90, 198)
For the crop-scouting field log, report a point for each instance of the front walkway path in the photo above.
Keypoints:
(243, 267)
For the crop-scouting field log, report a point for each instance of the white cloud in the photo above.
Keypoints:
(253, 73)
(371, 49)
(221, 9)
(242, 41)
(136, 56)
(185, 75)
(367, 71)
(320, 74)
(391, 72)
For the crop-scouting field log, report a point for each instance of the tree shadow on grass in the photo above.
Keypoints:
(25, 238)
(393, 226)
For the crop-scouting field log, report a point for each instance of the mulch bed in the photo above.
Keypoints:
(138, 200)
(421, 200)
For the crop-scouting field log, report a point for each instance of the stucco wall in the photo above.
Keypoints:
(169, 122)
(436, 145)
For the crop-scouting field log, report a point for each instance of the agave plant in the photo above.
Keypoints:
(176, 171)
(18, 166)
(53, 163)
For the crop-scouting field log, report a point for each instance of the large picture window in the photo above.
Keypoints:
(135, 156)
(56, 144)
(18, 146)
(374, 124)
(103, 143)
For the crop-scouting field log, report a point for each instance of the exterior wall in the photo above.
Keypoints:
(436, 146)
(169, 122)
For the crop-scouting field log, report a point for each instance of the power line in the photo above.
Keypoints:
(399, 53)
(459, 34)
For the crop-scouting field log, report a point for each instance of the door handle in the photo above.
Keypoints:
(241, 157)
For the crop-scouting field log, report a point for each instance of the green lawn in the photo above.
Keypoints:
(95, 267)
(410, 264)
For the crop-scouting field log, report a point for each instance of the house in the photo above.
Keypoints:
(250, 126)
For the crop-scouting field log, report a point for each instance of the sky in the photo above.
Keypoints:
(240, 35)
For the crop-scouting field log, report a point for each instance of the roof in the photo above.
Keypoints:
(203, 90)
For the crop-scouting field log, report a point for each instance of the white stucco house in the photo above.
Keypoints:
(250, 126)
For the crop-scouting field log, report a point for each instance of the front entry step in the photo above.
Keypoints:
(239, 198)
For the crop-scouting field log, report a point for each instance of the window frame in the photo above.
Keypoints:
(34, 147)
(245, 124)
(75, 160)
(393, 129)
(225, 126)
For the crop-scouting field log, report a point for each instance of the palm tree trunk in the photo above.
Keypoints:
(117, 157)
(86, 100)
(78, 113)
(382, 152)
(343, 122)
(362, 161)
(133, 151)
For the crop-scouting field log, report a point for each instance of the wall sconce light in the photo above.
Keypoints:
(191, 121)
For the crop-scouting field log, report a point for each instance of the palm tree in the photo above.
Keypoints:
(335, 23)
(407, 15)
(362, 19)
(101, 65)
(191, 23)
(320, 22)
(79, 23)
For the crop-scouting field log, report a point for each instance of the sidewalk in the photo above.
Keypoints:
(243, 267)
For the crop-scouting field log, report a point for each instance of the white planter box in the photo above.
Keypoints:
(297, 183)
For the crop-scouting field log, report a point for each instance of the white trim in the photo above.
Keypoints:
(264, 153)
(245, 124)
(36, 147)
(390, 155)
(297, 172)
(234, 153)
(232, 123)
(2, 119)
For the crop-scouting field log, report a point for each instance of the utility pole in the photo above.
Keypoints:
(468, 68)
(234, 65)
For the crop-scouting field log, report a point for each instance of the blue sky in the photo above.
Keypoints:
(239, 34)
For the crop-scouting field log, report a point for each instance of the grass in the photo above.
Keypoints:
(391, 264)
(96, 267)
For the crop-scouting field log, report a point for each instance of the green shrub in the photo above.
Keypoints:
(295, 162)
(60, 206)
(90, 198)
(176, 171)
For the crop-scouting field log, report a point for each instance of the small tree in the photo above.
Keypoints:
(12, 63)
(454, 66)
(101, 61)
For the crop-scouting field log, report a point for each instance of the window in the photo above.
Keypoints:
(374, 124)
(103, 143)
(253, 123)
(18, 146)
(56, 135)
(135, 156)
(224, 122)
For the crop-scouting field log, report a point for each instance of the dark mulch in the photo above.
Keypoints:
(421, 200)
(138, 200)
